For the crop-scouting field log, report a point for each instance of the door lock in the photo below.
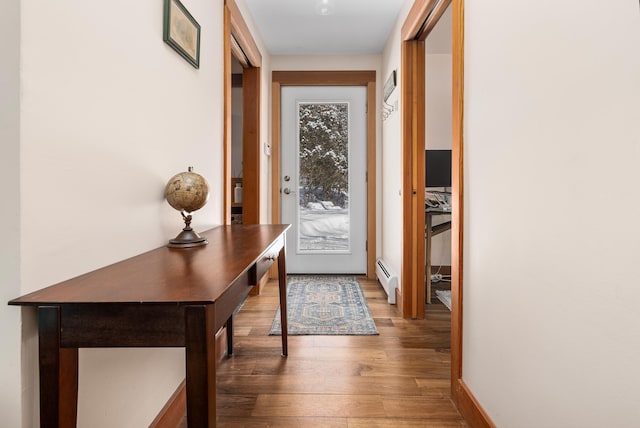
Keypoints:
(287, 178)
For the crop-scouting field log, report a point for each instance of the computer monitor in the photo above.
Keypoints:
(438, 168)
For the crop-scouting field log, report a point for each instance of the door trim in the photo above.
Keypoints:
(239, 42)
(328, 78)
(421, 19)
(413, 113)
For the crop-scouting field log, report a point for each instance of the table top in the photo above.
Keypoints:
(168, 275)
(436, 210)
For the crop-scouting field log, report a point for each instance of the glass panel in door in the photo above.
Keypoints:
(323, 210)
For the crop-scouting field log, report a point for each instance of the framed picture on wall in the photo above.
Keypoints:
(182, 31)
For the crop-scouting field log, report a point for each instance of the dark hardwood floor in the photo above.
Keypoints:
(397, 379)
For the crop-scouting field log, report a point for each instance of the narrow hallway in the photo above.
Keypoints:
(397, 379)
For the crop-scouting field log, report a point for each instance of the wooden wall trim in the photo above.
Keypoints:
(251, 145)
(324, 78)
(241, 33)
(238, 53)
(457, 189)
(413, 111)
(275, 162)
(416, 18)
(432, 19)
(226, 139)
(275, 152)
(406, 55)
(371, 180)
(328, 78)
(470, 408)
(174, 410)
(418, 175)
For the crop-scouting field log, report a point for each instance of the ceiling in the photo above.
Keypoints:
(351, 27)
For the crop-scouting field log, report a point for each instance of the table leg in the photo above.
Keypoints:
(282, 285)
(229, 325)
(200, 365)
(58, 373)
(428, 237)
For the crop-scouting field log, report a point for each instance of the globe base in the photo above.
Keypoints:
(186, 239)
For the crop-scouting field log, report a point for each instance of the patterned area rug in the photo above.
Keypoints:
(325, 305)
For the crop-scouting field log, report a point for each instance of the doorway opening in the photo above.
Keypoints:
(242, 58)
(323, 162)
(236, 141)
(364, 79)
(423, 15)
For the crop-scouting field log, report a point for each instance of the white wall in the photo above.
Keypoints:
(438, 101)
(10, 397)
(391, 154)
(438, 132)
(552, 238)
(109, 113)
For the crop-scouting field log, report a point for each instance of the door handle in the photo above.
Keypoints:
(287, 191)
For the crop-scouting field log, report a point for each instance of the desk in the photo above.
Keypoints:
(166, 297)
(429, 232)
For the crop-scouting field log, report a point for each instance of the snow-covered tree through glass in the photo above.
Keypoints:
(323, 176)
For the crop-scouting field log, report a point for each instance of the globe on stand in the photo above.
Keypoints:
(187, 192)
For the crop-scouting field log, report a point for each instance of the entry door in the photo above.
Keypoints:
(323, 183)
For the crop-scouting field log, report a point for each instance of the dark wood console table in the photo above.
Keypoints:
(163, 298)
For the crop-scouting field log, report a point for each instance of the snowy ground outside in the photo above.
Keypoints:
(324, 229)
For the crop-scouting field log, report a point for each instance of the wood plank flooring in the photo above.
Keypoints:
(397, 379)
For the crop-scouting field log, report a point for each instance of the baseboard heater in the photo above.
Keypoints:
(388, 280)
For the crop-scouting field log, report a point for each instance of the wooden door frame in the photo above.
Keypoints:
(328, 78)
(421, 19)
(239, 43)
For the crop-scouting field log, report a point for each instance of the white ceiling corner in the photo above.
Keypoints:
(352, 27)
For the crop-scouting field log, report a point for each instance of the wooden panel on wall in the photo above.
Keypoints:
(416, 18)
(226, 152)
(324, 78)
(457, 189)
(251, 153)
(371, 180)
(413, 108)
(275, 162)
